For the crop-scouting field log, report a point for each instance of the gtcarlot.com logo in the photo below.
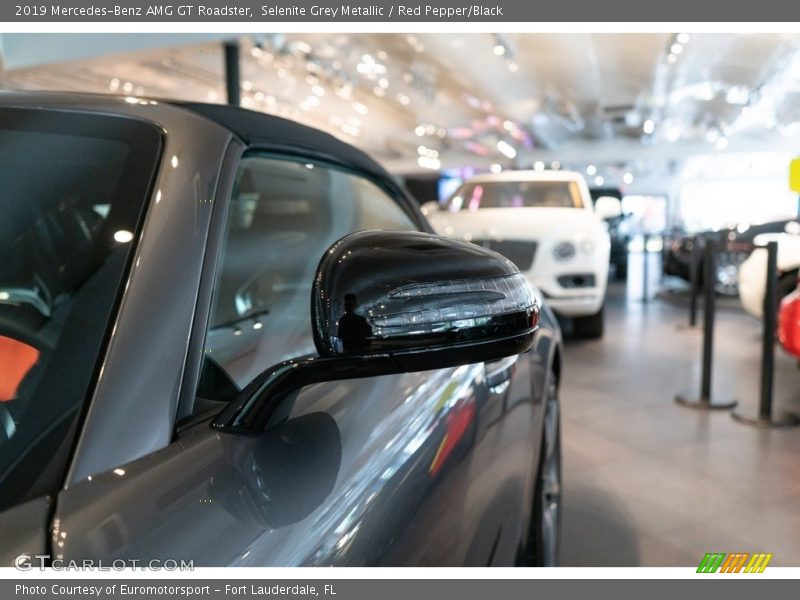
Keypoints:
(27, 562)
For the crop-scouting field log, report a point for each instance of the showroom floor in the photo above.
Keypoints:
(648, 482)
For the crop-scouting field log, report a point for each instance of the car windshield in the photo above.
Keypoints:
(515, 194)
(72, 191)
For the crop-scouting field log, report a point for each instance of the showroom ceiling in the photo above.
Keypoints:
(431, 100)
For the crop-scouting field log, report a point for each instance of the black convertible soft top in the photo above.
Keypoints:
(260, 129)
(254, 128)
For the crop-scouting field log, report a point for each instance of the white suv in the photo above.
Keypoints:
(544, 222)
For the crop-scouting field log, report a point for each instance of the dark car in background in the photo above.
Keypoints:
(231, 339)
(736, 245)
(618, 232)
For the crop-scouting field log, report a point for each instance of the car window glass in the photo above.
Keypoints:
(282, 216)
(515, 194)
(73, 190)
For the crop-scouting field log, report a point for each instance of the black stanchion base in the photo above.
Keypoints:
(752, 417)
(690, 401)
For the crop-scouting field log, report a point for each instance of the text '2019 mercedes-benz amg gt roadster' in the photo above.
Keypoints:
(230, 339)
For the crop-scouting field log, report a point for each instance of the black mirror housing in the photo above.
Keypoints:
(423, 299)
(386, 302)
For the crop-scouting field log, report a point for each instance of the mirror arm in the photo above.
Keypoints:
(255, 405)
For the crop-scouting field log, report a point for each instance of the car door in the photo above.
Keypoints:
(431, 468)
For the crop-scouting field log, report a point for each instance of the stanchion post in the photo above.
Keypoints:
(764, 417)
(768, 347)
(694, 278)
(704, 402)
(709, 314)
(232, 73)
(645, 270)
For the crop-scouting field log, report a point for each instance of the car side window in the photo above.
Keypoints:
(74, 186)
(283, 215)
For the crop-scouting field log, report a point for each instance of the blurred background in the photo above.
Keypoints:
(690, 128)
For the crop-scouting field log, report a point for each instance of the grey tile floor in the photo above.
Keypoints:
(648, 482)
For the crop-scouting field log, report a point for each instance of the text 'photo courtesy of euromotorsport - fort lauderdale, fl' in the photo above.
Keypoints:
(170, 590)
(439, 285)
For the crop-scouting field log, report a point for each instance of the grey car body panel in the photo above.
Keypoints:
(217, 499)
(133, 409)
(359, 474)
(25, 530)
(197, 340)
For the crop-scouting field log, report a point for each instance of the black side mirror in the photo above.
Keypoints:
(392, 302)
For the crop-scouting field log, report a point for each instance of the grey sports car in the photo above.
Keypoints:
(230, 339)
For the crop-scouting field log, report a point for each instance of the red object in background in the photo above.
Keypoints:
(16, 359)
(458, 421)
(789, 323)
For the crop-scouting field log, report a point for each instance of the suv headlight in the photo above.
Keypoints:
(564, 251)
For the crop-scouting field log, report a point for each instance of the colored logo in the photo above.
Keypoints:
(738, 562)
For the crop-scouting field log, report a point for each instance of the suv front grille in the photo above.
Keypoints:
(578, 280)
(520, 253)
